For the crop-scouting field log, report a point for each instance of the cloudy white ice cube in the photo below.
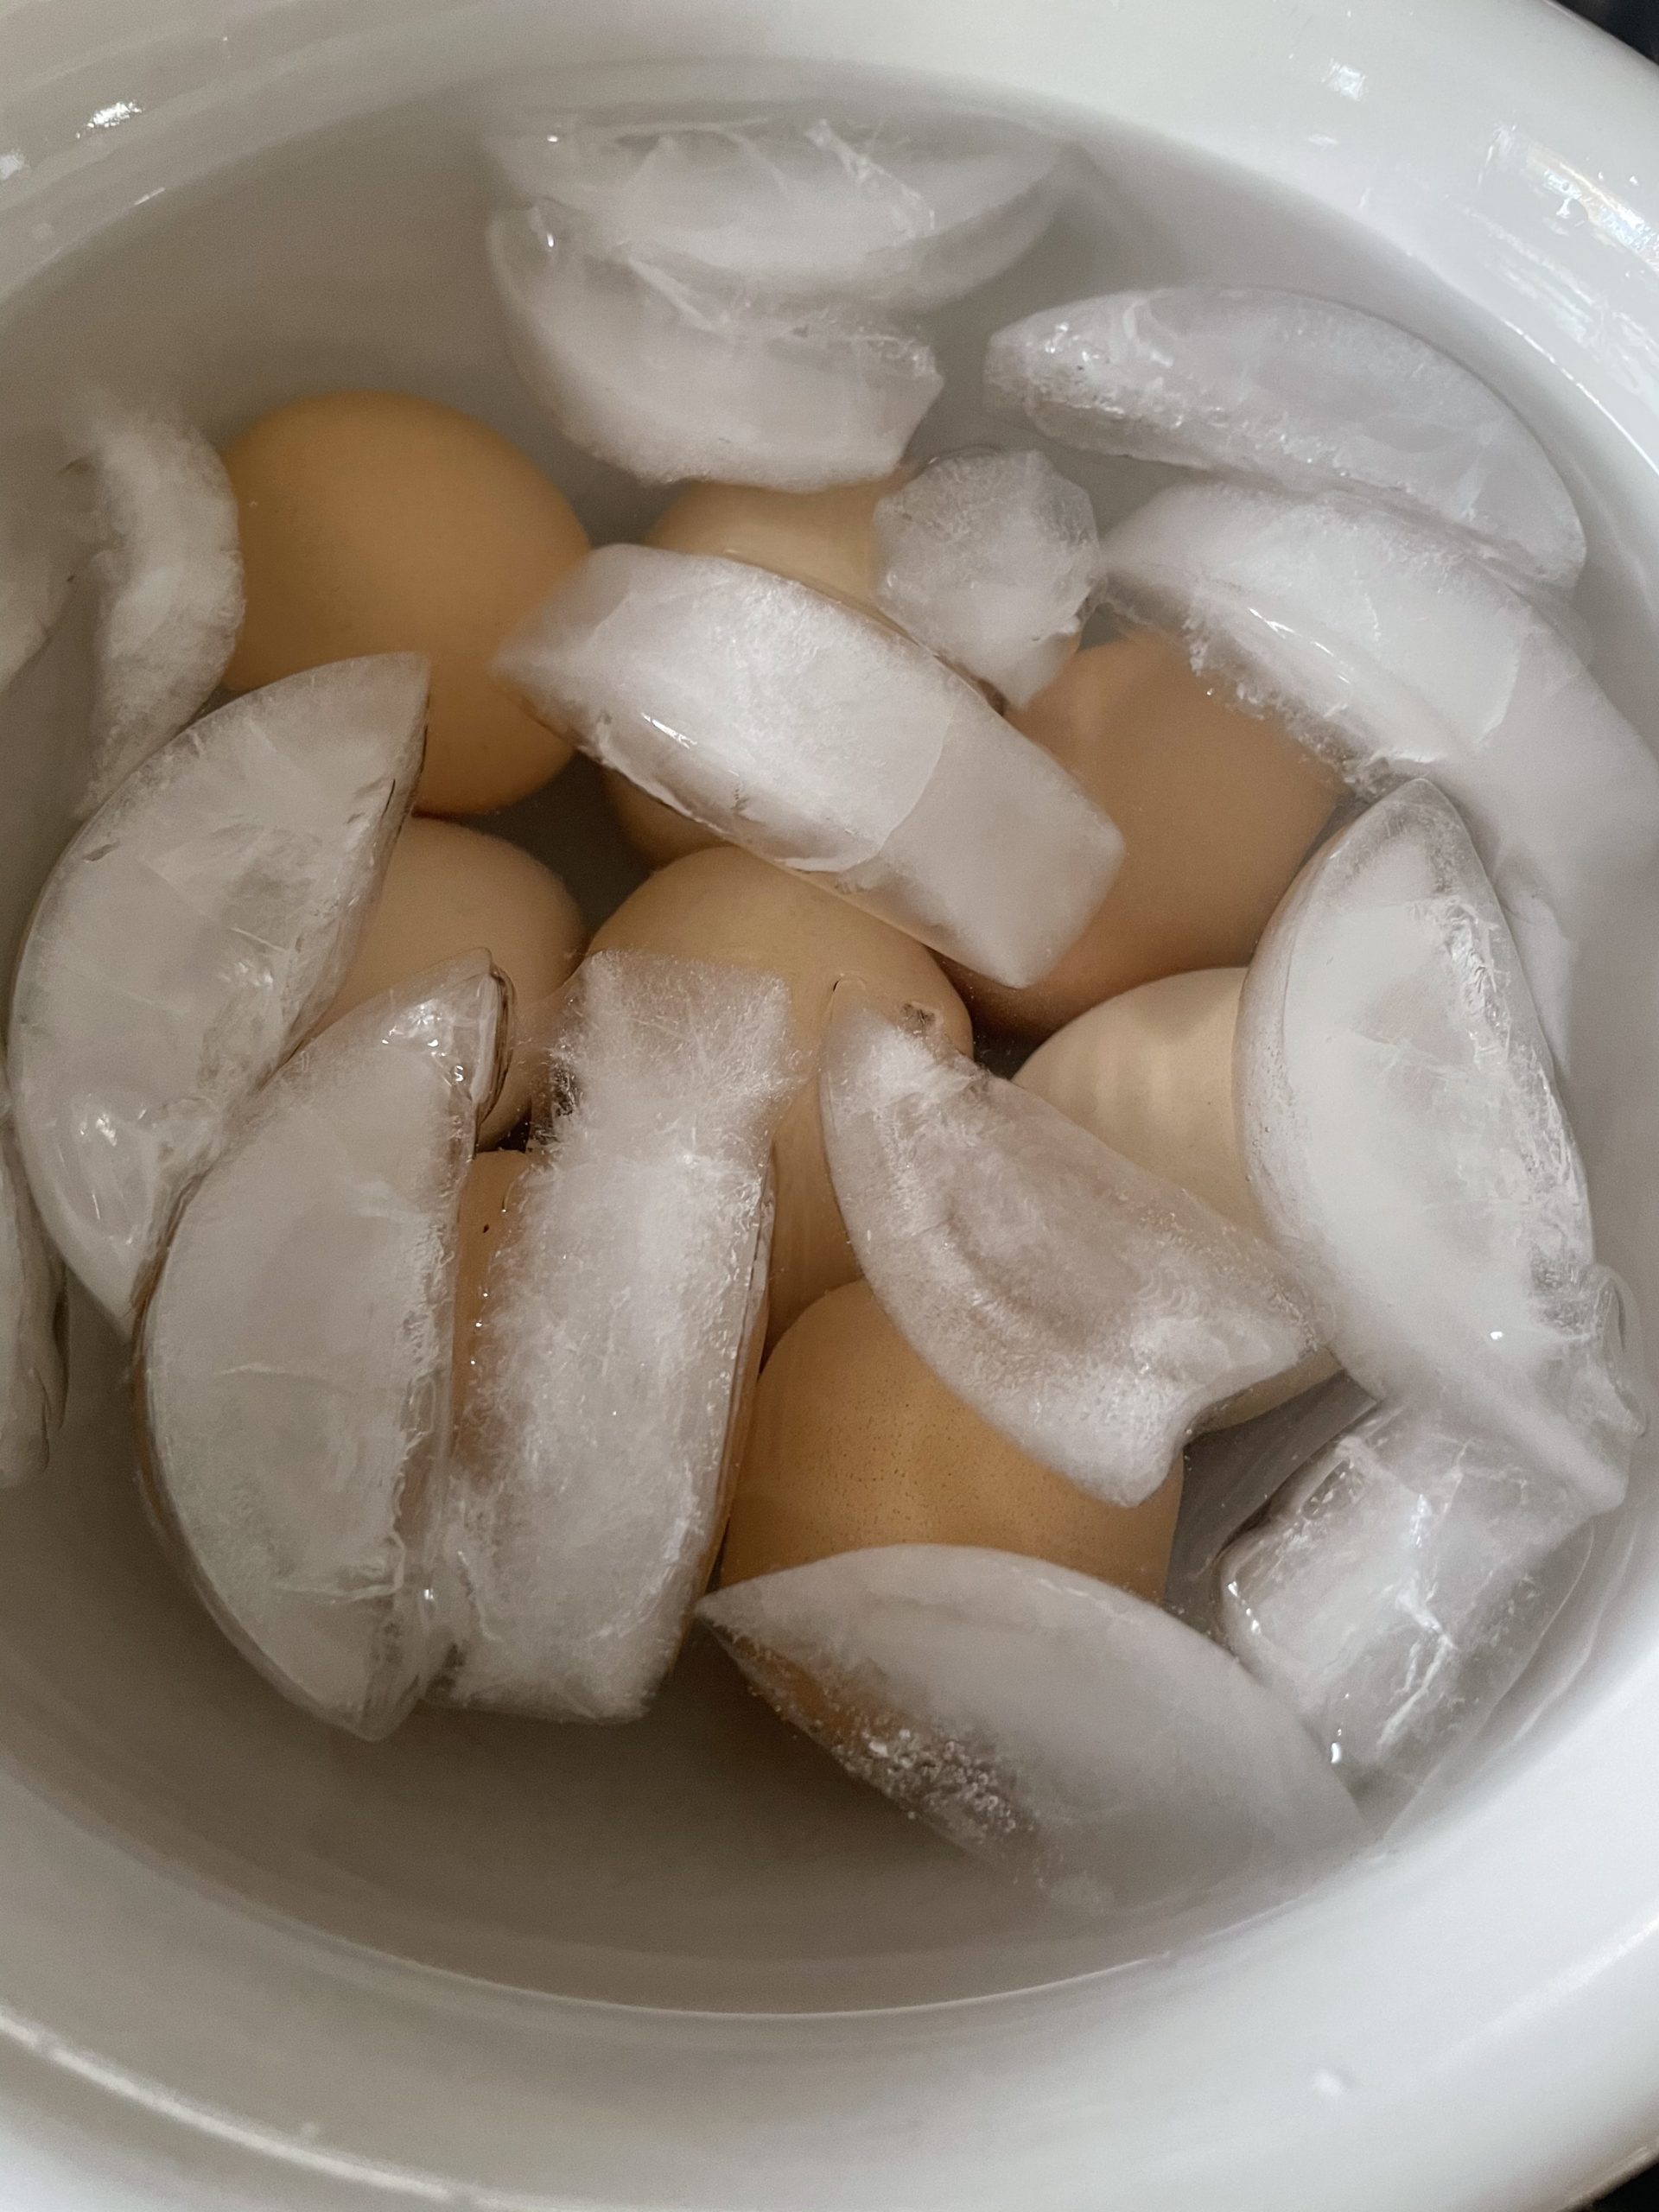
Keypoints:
(190, 935)
(31, 1352)
(1060, 1727)
(1392, 653)
(669, 378)
(168, 566)
(1090, 1311)
(296, 1352)
(991, 559)
(624, 1311)
(1299, 392)
(1398, 1586)
(1404, 1141)
(910, 211)
(824, 742)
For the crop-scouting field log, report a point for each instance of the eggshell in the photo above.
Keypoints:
(856, 1443)
(452, 889)
(726, 906)
(377, 522)
(1151, 1074)
(1218, 811)
(823, 538)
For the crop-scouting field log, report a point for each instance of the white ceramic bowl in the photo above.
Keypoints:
(242, 1963)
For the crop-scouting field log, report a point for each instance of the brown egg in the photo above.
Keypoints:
(1151, 1074)
(823, 538)
(376, 522)
(856, 1443)
(1217, 811)
(726, 906)
(485, 1198)
(658, 833)
(450, 889)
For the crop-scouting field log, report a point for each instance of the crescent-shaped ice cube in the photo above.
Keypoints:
(1068, 1733)
(295, 1354)
(1090, 1311)
(623, 1312)
(1398, 1586)
(822, 739)
(168, 571)
(670, 379)
(189, 938)
(1392, 653)
(1403, 1137)
(991, 558)
(908, 213)
(1296, 391)
(31, 1350)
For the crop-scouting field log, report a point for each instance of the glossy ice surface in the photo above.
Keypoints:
(189, 938)
(991, 558)
(1090, 1311)
(1070, 1732)
(823, 741)
(1299, 392)
(295, 1355)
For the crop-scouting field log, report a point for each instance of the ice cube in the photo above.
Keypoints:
(1233, 1474)
(1299, 392)
(1068, 1732)
(672, 379)
(1090, 1312)
(31, 1352)
(1399, 1587)
(823, 741)
(624, 1311)
(191, 934)
(910, 212)
(40, 540)
(295, 1355)
(1405, 1141)
(991, 558)
(1394, 654)
(169, 569)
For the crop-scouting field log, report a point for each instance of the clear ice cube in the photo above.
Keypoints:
(909, 212)
(622, 1319)
(31, 1351)
(41, 540)
(190, 935)
(168, 565)
(295, 1355)
(1399, 1586)
(1090, 1312)
(670, 379)
(1299, 392)
(1233, 1474)
(1404, 1139)
(991, 558)
(1068, 1733)
(1391, 652)
(823, 741)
